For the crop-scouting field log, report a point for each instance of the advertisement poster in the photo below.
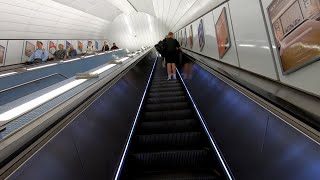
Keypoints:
(201, 35)
(96, 45)
(68, 44)
(2, 53)
(52, 47)
(30, 48)
(185, 37)
(296, 28)
(80, 46)
(223, 36)
(191, 37)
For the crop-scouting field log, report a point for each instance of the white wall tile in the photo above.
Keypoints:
(251, 37)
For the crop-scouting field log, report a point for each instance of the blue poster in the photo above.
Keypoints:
(97, 45)
(68, 44)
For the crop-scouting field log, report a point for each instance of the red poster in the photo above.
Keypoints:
(223, 36)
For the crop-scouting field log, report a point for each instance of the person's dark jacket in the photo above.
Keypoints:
(114, 47)
(105, 48)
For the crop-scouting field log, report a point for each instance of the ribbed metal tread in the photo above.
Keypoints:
(165, 85)
(172, 159)
(169, 89)
(161, 127)
(168, 115)
(166, 94)
(170, 140)
(160, 82)
(167, 106)
(156, 100)
(188, 174)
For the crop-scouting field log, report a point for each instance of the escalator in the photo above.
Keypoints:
(169, 141)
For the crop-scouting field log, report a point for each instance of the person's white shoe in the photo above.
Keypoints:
(169, 77)
(174, 77)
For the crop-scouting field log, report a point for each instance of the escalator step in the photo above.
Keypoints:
(165, 82)
(166, 99)
(171, 159)
(165, 85)
(166, 94)
(168, 115)
(170, 141)
(159, 127)
(169, 89)
(167, 106)
(189, 174)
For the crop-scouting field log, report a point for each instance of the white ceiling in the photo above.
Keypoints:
(172, 13)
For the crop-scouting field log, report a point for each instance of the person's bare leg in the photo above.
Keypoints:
(173, 65)
(169, 70)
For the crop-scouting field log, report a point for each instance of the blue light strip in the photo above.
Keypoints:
(207, 131)
(134, 124)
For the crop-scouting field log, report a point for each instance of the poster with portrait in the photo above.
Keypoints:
(29, 49)
(52, 47)
(96, 44)
(191, 37)
(223, 36)
(185, 37)
(296, 29)
(80, 46)
(201, 35)
(2, 54)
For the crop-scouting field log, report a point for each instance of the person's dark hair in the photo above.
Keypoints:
(40, 42)
(170, 33)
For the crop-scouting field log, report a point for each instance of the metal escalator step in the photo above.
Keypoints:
(168, 89)
(170, 141)
(171, 159)
(165, 85)
(166, 106)
(168, 115)
(165, 82)
(156, 100)
(158, 127)
(166, 94)
(188, 174)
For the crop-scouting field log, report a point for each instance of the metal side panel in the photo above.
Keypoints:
(256, 143)
(90, 147)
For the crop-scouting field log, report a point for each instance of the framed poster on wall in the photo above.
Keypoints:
(68, 44)
(52, 47)
(191, 36)
(96, 44)
(223, 35)
(29, 49)
(296, 30)
(201, 35)
(185, 37)
(80, 46)
(2, 54)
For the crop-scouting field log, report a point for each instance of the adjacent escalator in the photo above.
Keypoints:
(169, 141)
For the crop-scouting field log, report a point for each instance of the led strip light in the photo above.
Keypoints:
(39, 67)
(24, 108)
(7, 74)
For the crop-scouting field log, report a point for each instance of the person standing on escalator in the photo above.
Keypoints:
(172, 53)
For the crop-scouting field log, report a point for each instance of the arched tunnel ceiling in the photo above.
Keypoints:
(174, 14)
